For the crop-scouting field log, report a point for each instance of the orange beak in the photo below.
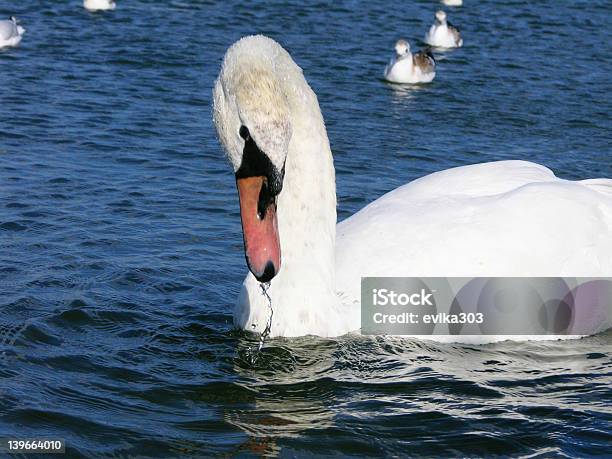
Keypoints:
(259, 227)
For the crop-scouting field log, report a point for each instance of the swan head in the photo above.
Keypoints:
(13, 19)
(252, 117)
(402, 47)
(441, 16)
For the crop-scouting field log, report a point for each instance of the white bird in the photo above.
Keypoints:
(507, 218)
(406, 67)
(10, 32)
(99, 5)
(443, 34)
(453, 2)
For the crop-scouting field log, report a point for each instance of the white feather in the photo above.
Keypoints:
(99, 5)
(441, 35)
(509, 218)
(401, 68)
(10, 33)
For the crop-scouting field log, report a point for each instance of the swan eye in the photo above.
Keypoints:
(244, 132)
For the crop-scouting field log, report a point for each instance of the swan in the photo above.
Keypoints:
(99, 5)
(443, 34)
(10, 32)
(453, 2)
(507, 218)
(406, 67)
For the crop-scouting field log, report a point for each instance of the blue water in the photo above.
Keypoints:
(121, 249)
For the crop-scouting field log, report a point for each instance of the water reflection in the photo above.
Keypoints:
(291, 378)
(328, 384)
(403, 93)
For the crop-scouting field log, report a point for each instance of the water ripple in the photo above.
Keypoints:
(122, 250)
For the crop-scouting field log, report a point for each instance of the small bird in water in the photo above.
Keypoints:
(99, 5)
(453, 2)
(10, 32)
(443, 34)
(406, 67)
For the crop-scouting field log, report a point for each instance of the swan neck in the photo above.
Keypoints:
(307, 204)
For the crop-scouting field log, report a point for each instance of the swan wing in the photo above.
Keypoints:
(509, 218)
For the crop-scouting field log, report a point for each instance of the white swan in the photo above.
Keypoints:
(406, 67)
(453, 2)
(10, 32)
(443, 34)
(99, 5)
(508, 218)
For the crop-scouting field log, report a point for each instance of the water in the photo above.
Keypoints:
(121, 243)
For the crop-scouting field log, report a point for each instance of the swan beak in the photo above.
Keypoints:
(259, 227)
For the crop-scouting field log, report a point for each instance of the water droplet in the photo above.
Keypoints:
(268, 328)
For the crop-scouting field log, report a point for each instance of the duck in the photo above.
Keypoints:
(453, 2)
(442, 34)
(99, 5)
(406, 67)
(10, 32)
(503, 218)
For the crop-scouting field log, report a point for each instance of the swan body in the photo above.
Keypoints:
(406, 67)
(99, 5)
(508, 218)
(453, 2)
(10, 32)
(443, 34)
